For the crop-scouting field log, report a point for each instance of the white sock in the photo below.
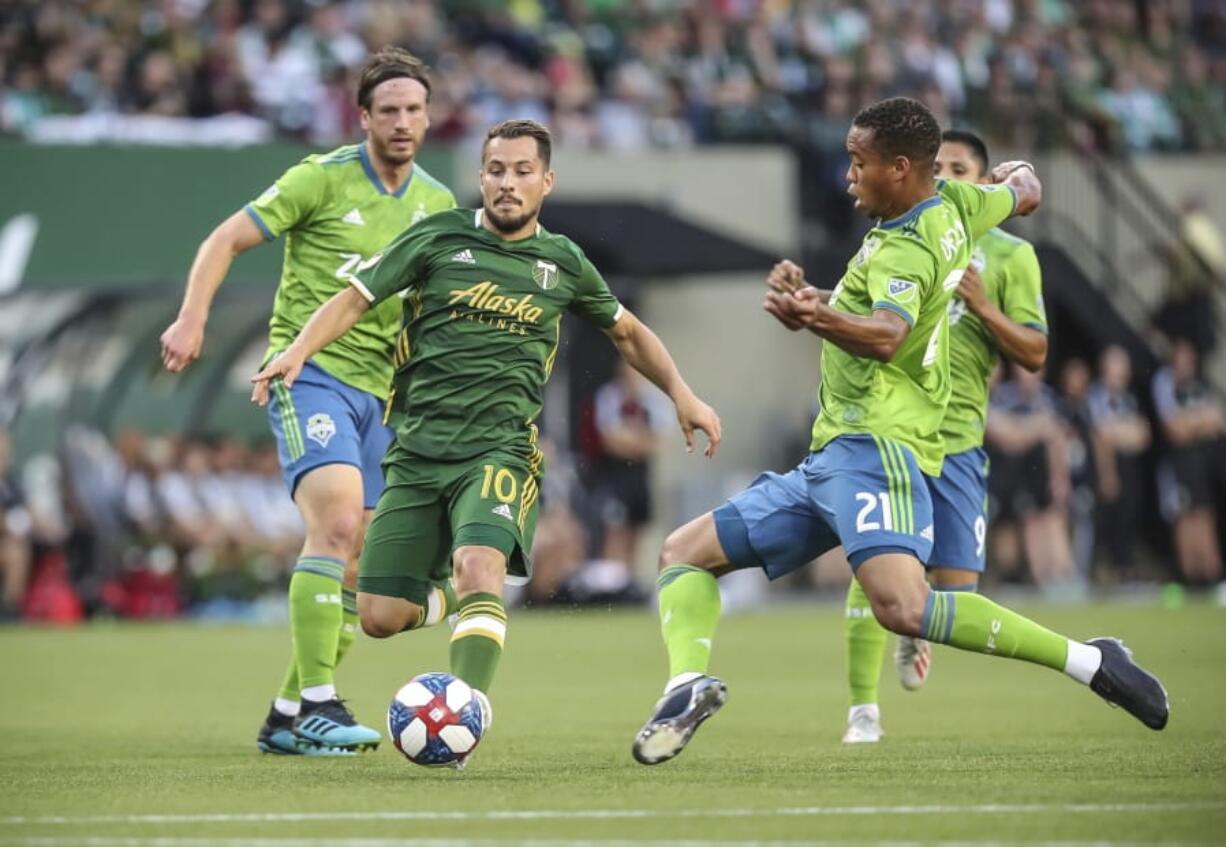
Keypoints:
(681, 679)
(1083, 661)
(289, 708)
(869, 708)
(319, 693)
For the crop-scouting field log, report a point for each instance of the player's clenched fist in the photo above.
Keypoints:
(181, 343)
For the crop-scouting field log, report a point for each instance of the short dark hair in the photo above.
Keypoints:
(972, 142)
(902, 127)
(522, 128)
(391, 63)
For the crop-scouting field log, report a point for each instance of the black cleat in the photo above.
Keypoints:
(677, 715)
(1122, 682)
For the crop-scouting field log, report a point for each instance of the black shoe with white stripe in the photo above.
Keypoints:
(677, 716)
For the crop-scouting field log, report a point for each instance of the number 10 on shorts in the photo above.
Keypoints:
(501, 482)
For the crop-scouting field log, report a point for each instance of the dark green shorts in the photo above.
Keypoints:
(429, 508)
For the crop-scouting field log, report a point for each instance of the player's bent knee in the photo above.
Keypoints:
(696, 543)
(899, 614)
(383, 617)
(478, 569)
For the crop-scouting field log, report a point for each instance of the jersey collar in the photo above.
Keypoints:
(374, 177)
(911, 214)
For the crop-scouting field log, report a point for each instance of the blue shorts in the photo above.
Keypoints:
(323, 421)
(960, 511)
(860, 491)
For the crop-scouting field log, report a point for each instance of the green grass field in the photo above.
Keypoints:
(144, 736)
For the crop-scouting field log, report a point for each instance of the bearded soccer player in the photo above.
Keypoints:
(484, 292)
(884, 392)
(337, 210)
(997, 308)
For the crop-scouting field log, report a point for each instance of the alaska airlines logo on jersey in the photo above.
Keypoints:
(901, 290)
(866, 250)
(545, 274)
(484, 297)
(320, 428)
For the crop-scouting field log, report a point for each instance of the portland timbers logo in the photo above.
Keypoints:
(545, 274)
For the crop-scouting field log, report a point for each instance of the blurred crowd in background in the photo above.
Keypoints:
(145, 526)
(627, 74)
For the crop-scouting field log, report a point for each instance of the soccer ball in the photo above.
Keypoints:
(436, 719)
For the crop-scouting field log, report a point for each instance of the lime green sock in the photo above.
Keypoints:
(689, 613)
(349, 623)
(865, 646)
(973, 622)
(476, 644)
(315, 615)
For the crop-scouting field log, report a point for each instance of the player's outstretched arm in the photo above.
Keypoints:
(646, 353)
(182, 340)
(330, 321)
(1024, 345)
(1021, 177)
(877, 336)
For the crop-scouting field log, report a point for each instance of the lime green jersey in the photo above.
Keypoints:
(909, 265)
(480, 330)
(1012, 281)
(336, 213)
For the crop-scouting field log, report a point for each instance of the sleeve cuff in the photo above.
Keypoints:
(896, 309)
(255, 216)
(1040, 327)
(617, 316)
(361, 288)
(1012, 194)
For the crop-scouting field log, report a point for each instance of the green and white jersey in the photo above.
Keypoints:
(1013, 282)
(909, 265)
(480, 330)
(336, 214)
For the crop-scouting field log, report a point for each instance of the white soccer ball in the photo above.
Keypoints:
(436, 719)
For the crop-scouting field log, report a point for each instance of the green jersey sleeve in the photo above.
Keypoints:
(289, 201)
(399, 266)
(985, 206)
(900, 274)
(593, 299)
(1022, 296)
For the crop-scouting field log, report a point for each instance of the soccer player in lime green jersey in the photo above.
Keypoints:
(996, 309)
(484, 292)
(336, 210)
(884, 391)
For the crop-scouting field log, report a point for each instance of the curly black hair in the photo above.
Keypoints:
(972, 142)
(902, 127)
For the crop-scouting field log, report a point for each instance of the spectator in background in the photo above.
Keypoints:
(1079, 437)
(630, 421)
(1122, 436)
(15, 531)
(1029, 485)
(1191, 471)
(1197, 263)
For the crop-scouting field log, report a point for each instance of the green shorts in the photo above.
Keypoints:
(429, 508)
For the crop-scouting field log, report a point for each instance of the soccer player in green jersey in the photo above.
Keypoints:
(483, 292)
(336, 210)
(884, 391)
(996, 308)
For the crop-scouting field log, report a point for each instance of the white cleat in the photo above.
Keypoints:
(913, 657)
(863, 725)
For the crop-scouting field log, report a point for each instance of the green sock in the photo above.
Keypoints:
(476, 644)
(973, 622)
(689, 613)
(315, 615)
(349, 623)
(865, 646)
(290, 689)
(441, 603)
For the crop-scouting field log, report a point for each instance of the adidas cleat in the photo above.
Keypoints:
(677, 715)
(863, 726)
(1122, 682)
(277, 737)
(330, 724)
(912, 658)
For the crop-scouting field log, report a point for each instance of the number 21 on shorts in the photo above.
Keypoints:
(865, 518)
(501, 483)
